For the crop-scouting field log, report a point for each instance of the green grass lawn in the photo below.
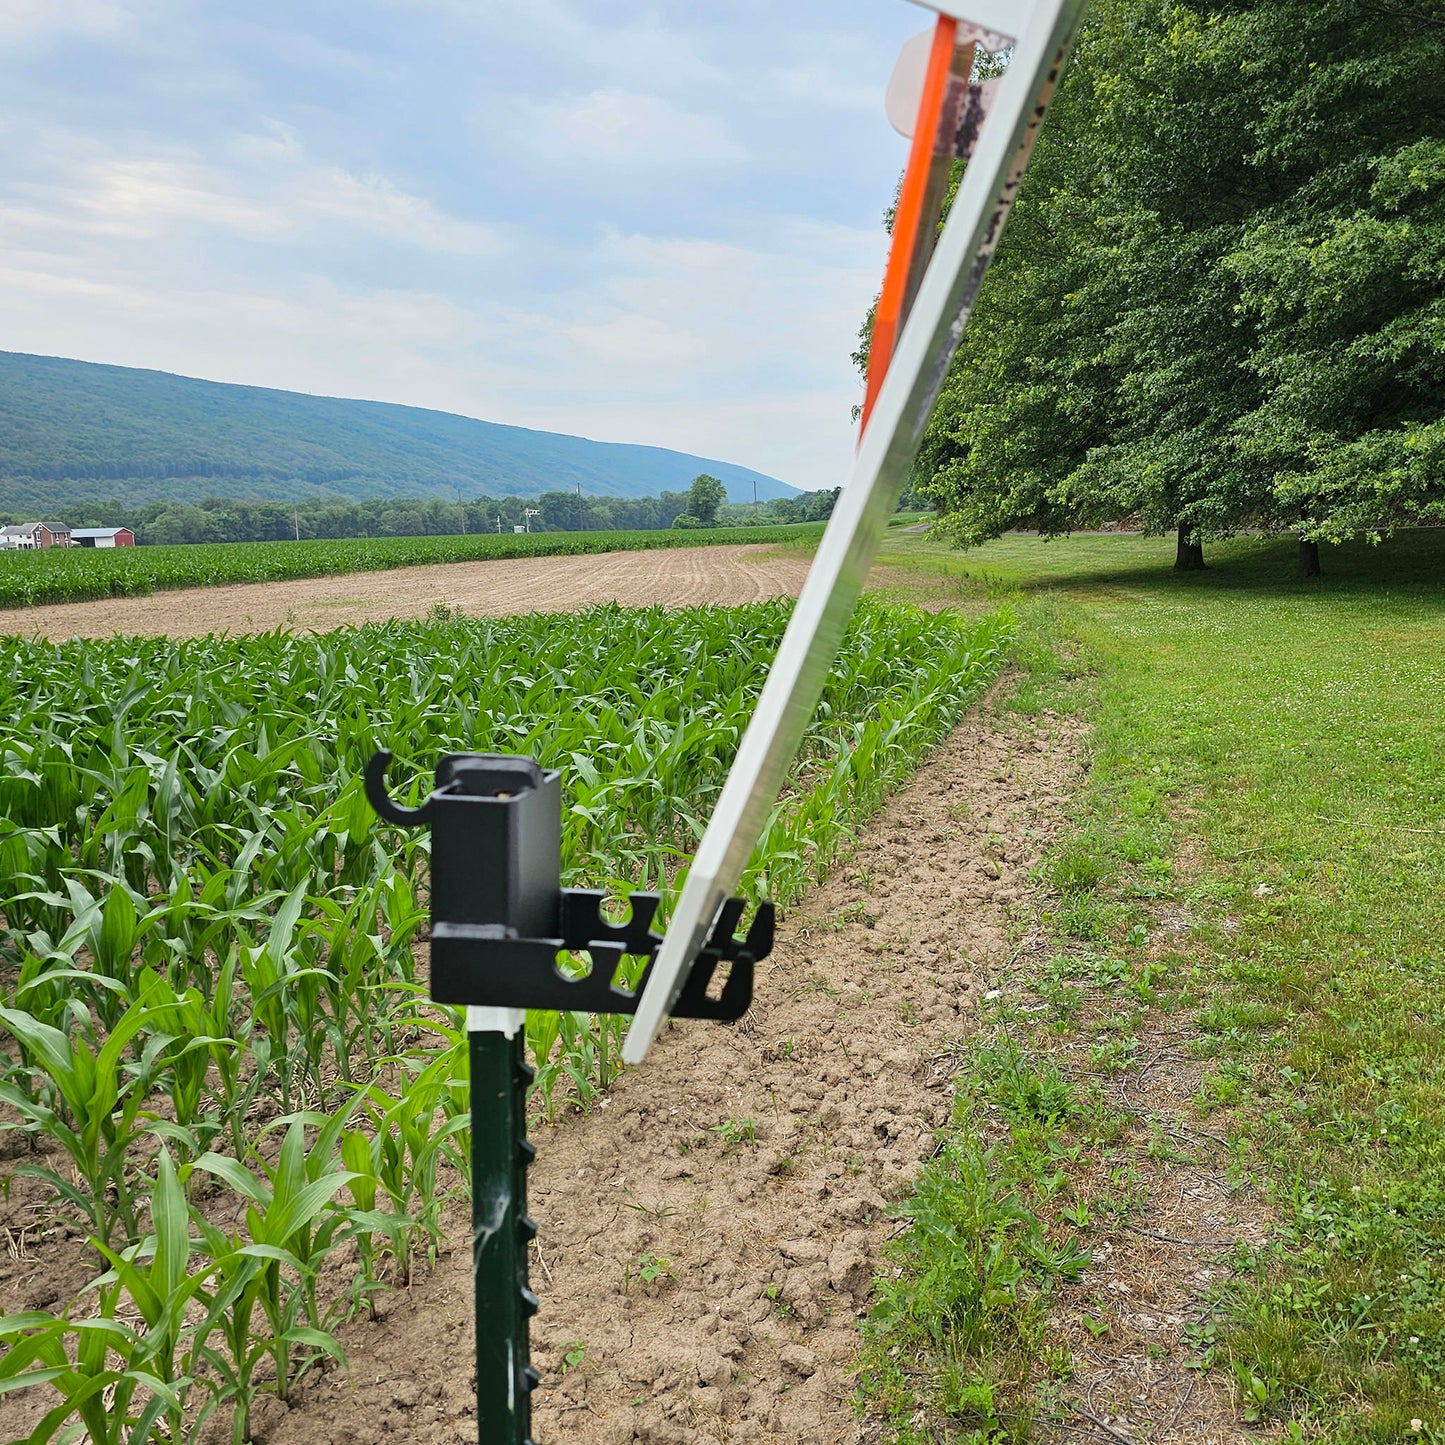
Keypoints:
(1268, 756)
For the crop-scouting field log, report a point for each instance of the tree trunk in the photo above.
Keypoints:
(1190, 556)
(1309, 558)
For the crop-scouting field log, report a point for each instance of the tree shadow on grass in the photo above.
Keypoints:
(1410, 564)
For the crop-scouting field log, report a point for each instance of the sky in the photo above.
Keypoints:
(635, 222)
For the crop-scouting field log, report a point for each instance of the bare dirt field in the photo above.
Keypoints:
(673, 577)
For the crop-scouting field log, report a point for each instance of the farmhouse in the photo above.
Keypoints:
(33, 537)
(103, 537)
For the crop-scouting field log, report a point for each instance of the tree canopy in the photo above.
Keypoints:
(1219, 303)
(704, 497)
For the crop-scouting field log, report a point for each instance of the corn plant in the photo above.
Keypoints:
(93, 1105)
(127, 1382)
(202, 1063)
(156, 1280)
(292, 1220)
(117, 1403)
(360, 1156)
(238, 1334)
(411, 1133)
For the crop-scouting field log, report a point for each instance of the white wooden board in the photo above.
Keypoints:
(929, 339)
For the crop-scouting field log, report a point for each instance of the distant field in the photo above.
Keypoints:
(83, 574)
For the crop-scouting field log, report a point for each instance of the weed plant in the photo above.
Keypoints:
(955, 1340)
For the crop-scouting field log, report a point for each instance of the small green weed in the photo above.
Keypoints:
(650, 1269)
(1078, 868)
(735, 1133)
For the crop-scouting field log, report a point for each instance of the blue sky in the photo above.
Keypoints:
(635, 222)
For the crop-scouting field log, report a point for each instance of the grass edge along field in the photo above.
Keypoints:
(216, 1039)
(1255, 880)
(85, 574)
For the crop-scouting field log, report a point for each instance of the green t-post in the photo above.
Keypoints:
(499, 919)
(496, 863)
(501, 1231)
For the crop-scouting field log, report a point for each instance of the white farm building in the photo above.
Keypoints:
(102, 537)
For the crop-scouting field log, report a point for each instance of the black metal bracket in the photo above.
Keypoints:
(500, 917)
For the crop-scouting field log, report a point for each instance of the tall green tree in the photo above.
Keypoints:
(704, 498)
(1218, 304)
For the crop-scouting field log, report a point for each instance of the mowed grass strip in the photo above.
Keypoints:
(81, 574)
(1258, 869)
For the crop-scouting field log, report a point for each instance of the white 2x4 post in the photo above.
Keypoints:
(1042, 32)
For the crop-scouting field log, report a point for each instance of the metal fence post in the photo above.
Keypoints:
(501, 1231)
(499, 918)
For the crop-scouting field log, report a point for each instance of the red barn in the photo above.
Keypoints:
(102, 537)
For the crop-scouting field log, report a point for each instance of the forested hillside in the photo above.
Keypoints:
(1220, 304)
(72, 432)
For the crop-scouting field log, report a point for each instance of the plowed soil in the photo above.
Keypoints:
(674, 577)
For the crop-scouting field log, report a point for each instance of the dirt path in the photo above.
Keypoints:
(756, 1161)
(675, 577)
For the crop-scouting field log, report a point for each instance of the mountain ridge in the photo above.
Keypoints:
(81, 431)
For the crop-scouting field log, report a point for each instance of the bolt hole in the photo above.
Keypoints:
(616, 911)
(574, 964)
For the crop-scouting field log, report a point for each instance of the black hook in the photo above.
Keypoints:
(380, 799)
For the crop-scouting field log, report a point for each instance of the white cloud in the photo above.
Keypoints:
(25, 278)
(373, 203)
(819, 83)
(150, 198)
(640, 52)
(619, 127)
(266, 189)
(727, 350)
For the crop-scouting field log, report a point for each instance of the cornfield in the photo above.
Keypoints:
(216, 1043)
(77, 574)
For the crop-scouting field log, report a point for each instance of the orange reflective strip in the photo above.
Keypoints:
(888, 319)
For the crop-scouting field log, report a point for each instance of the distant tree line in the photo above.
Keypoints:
(226, 519)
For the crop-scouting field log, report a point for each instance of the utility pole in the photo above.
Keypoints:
(462, 510)
(755, 496)
(579, 506)
(296, 521)
(527, 514)
(499, 524)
